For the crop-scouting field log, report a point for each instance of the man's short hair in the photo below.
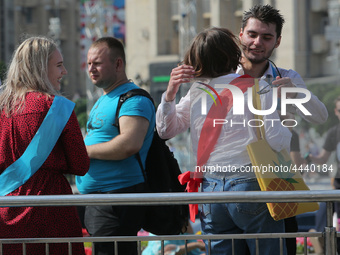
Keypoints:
(266, 14)
(115, 45)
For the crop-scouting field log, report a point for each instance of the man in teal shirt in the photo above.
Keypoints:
(114, 167)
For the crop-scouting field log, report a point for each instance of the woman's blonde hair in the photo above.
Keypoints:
(27, 72)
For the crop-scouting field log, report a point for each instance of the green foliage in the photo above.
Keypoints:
(327, 93)
(80, 110)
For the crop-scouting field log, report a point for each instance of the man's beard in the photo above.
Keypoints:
(102, 84)
(254, 59)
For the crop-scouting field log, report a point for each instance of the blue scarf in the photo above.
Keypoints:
(39, 148)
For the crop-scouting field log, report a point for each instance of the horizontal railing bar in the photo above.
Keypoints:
(172, 198)
(159, 238)
(167, 199)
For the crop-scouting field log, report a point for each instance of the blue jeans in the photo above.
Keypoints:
(239, 218)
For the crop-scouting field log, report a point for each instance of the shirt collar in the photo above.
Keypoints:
(269, 73)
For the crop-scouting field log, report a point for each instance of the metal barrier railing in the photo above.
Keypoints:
(328, 196)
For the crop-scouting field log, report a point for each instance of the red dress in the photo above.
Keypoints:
(68, 156)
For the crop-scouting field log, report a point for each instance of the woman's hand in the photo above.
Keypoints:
(180, 74)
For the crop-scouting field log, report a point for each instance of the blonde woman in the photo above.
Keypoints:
(40, 141)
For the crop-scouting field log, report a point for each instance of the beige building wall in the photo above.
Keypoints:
(151, 28)
(284, 54)
(33, 18)
(148, 36)
(226, 14)
(139, 36)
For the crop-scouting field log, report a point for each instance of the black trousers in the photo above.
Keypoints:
(291, 226)
(107, 220)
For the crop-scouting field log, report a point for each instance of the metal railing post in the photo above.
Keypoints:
(330, 232)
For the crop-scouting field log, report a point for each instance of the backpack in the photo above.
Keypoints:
(161, 175)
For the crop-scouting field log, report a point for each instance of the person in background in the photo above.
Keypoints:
(211, 60)
(176, 247)
(295, 153)
(114, 167)
(332, 143)
(29, 93)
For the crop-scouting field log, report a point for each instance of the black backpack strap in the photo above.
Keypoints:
(122, 99)
(127, 95)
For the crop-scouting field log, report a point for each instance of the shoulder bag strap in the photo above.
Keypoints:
(260, 133)
(257, 106)
(39, 148)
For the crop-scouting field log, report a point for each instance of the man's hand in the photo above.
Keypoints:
(179, 75)
(284, 82)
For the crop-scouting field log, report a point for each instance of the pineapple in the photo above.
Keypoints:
(284, 182)
(283, 210)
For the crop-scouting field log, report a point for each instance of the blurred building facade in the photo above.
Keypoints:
(157, 32)
(58, 19)
(309, 45)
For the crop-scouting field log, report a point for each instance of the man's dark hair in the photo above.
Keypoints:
(266, 14)
(115, 45)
